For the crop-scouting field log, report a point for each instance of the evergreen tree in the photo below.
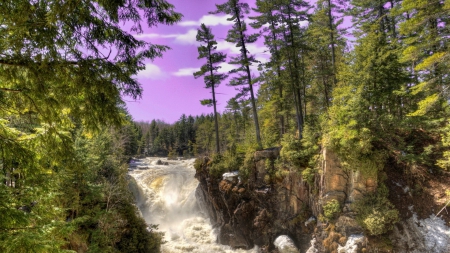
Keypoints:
(268, 23)
(57, 78)
(209, 70)
(427, 52)
(237, 34)
(294, 50)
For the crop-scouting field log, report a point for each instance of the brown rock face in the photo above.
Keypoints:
(256, 213)
(341, 184)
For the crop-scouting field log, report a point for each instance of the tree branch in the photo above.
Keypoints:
(10, 90)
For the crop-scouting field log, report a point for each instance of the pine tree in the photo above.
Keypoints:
(294, 50)
(267, 22)
(58, 75)
(237, 34)
(209, 70)
(427, 51)
(327, 47)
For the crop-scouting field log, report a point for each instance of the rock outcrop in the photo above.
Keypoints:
(256, 213)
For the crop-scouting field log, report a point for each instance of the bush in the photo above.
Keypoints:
(290, 152)
(376, 213)
(380, 222)
(198, 164)
(300, 153)
(247, 165)
(220, 164)
(172, 155)
(308, 176)
(331, 209)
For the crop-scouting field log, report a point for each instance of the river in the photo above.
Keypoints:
(165, 195)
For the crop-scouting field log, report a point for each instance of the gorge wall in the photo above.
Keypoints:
(259, 210)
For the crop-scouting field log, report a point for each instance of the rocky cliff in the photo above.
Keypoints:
(258, 211)
(255, 213)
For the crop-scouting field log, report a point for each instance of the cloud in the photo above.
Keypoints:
(208, 20)
(188, 38)
(185, 72)
(152, 72)
(253, 48)
(147, 36)
(226, 67)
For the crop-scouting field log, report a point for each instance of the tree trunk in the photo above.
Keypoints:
(249, 79)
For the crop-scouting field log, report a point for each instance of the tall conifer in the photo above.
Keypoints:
(237, 34)
(209, 70)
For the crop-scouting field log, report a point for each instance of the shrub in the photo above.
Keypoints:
(290, 152)
(375, 212)
(220, 164)
(198, 164)
(300, 153)
(308, 176)
(331, 209)
(380, 222)
(172, 155)
(247, 166)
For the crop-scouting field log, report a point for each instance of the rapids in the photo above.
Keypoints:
(165, 195)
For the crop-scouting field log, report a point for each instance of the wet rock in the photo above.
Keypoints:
(284, 244)
(348, 226)
(354, 242)
(255, 214)
(231, 176)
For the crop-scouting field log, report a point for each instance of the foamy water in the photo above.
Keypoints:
(165, 195)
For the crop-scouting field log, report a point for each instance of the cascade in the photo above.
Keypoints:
(165, 195)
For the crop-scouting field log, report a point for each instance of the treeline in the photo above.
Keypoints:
(65, 137)
(193, 136)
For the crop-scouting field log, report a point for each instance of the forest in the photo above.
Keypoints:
(65, 134)
(375, 92)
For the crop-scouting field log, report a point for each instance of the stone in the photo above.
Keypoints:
(232, 176)
(269, 153)
(284, 244)
(344, 185)
(348, 226)
(353, 243)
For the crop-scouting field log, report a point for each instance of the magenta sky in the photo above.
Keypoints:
(169, 86)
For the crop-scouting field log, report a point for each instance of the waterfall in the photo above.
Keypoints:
(165, 195)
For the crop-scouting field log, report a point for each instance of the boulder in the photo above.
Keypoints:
(269, 153)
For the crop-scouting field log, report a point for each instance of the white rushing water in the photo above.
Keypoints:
(165, 195)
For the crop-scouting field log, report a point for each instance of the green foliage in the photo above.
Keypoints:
(198, 163)
(237, 35)
(291, 150)
(308, 176)
(300, 153)
(444, 163)
(249, 163)
(229, 161)
(63, 164)
(331, 209)
(375, 212)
